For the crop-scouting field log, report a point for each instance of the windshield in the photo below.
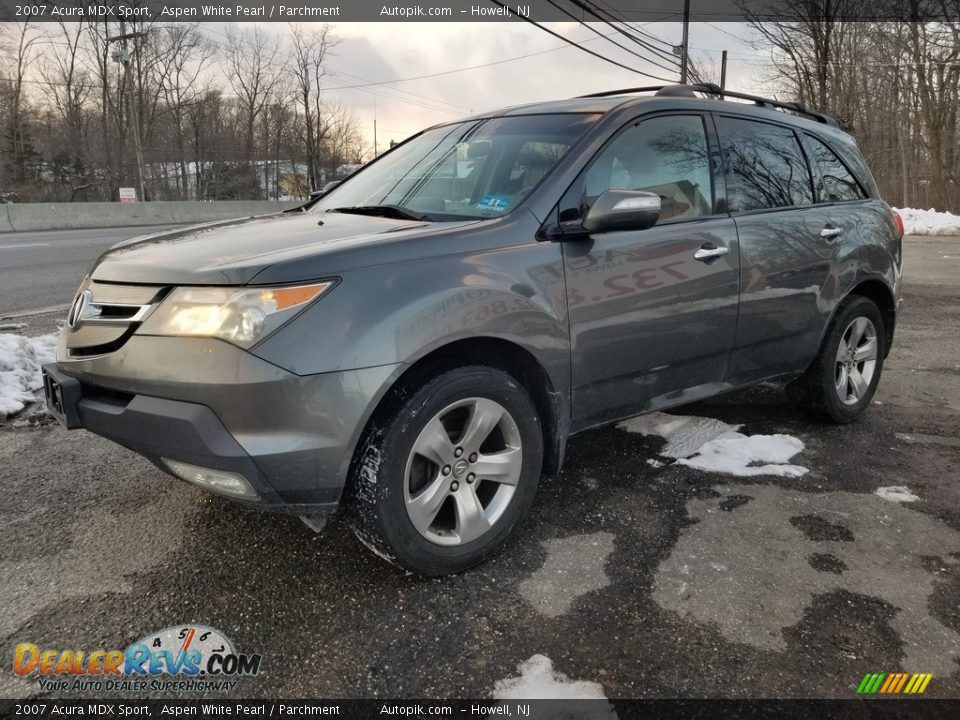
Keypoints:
(476, 169)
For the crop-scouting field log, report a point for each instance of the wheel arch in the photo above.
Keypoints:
(882, 296)
(518, 362)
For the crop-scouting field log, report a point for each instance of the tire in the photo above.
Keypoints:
(829, 387)
(416, 503)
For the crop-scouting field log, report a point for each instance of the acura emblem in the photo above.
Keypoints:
(81, 310)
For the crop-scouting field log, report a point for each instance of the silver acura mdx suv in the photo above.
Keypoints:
(419, 342)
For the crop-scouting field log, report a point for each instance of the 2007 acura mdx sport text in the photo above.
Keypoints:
(419, 343)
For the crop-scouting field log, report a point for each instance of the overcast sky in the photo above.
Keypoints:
(374, 52)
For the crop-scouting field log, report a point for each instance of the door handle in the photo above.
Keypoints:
(831, 233)
(709, 252)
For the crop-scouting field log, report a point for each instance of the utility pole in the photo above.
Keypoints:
(685, 44)
(374, 128)
(723, 70)
(123, 56)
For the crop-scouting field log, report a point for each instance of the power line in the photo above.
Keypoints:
(469, 67)
(244, 41)
(595, 11)
(635, 28)
(333, 71)
(586, 50)
(430, 104)
(609, 39)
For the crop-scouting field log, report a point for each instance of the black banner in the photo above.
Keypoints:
(333, 11)
(902, 708)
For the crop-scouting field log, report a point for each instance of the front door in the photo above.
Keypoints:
(653, 313)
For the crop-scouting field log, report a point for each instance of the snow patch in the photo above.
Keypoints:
(749, 455)
(929, 222)
(715, 446)
(539, 681)
(896, 493)
(20, 361)
(654, 463)
(574, 566)
(685, 434)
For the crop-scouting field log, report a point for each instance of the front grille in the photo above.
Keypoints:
(86, 336)
(108, 316)
(123, 294)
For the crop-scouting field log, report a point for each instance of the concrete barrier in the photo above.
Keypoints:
(22, 217)
(5, 225)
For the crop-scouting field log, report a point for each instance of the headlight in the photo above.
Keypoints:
(242, 316)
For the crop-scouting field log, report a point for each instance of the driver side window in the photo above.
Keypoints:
(665, 155)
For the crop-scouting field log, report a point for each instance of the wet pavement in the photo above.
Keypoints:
(641, 579)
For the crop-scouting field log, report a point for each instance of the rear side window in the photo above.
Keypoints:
(664, 155)
(835, 182)
(765, 166)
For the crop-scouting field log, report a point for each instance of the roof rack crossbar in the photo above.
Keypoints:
(714, 90)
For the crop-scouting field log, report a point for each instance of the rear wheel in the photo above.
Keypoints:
(447, 470)
(841, 381)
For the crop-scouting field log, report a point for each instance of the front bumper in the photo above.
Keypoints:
(210, 404)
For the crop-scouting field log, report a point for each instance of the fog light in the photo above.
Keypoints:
(218, 481)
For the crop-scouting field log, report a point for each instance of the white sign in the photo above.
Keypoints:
(128, 195)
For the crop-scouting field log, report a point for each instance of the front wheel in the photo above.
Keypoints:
(840, 383)
(447, 470)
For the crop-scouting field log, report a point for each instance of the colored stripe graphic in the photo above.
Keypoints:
(903, 681)
(870, 683)
(894, 683)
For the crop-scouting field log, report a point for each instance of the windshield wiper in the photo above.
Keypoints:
(397, 212)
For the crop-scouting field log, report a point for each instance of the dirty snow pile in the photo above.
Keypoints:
(715, 446)
(929, 222)
(539, 681)
(20, 361)
(896, 493)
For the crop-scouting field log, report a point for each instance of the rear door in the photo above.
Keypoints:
(651, 325)
(785, 262)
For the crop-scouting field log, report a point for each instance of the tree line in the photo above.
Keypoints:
(895, 85)
(179, 111)
(171, 109)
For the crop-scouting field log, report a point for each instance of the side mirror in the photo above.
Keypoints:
(622, 210)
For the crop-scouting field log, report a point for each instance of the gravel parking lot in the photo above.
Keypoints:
(637, 578)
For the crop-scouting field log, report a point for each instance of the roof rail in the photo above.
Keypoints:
(715, 91)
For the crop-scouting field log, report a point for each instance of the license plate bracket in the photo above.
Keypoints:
(62, 394)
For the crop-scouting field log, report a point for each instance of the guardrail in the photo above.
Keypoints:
(21, 217)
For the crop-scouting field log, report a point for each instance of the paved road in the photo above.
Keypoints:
(647, 580)
(43, 269)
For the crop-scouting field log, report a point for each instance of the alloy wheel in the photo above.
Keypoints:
(856, 361)
(463, 471)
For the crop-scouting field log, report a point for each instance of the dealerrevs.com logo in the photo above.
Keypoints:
(180, 658)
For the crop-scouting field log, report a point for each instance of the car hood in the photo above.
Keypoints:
(234, 252)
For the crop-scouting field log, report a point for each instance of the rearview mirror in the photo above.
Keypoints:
(478, 149)
(622, 210)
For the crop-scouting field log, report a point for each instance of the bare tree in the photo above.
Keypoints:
(68, 86)
(893, 84)
(255, 69)
(218, 120)
(309, 49)
(183, 55)
(935, 50)
(20, 46)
